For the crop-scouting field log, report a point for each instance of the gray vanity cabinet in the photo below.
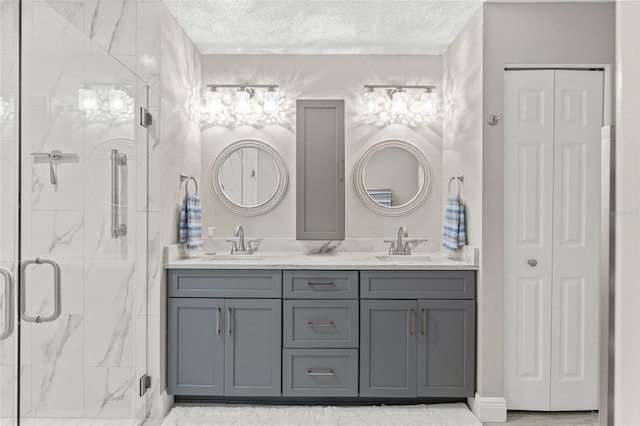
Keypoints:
(320, 169)
(388, 348)
(195, 347)
(253, 347)
(228, 345)
(424, 346)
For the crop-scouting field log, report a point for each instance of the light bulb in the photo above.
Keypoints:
(243, 102)
(399, 102)
(371, 101)
(214, 101)
(271, 98)
(118, 101)
(428, 101)
(87, 100)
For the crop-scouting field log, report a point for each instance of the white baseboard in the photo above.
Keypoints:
(488, 409)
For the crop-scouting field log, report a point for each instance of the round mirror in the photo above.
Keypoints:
(392, 177)
(249, 177)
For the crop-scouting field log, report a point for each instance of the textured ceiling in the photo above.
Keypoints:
(322, 26)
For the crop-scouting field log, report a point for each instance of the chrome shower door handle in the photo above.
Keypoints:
(8, 303)
(57, 296)
(117, 160)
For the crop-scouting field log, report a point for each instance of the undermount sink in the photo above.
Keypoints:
(405, 258)
(234, 257)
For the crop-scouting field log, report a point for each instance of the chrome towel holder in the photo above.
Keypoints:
(184, 177)
(460, 180)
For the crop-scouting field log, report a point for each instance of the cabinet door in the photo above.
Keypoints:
(388, 347)
(195, 347)
(446, 349)
(320, 171)
(253, 347)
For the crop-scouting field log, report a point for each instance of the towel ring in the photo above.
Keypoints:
(184, 177)
(459, 179)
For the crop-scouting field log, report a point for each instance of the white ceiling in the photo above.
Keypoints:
(323, 26)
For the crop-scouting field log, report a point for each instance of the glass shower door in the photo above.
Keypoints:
(83, 226)
(9, 58)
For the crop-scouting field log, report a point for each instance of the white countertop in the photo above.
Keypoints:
(336, 260)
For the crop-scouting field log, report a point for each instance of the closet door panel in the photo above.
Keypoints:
(576, 220)
(528, 197)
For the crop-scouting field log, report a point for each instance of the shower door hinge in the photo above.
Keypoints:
(145, 383)
(146, 119)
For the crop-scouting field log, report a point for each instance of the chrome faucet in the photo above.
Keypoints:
(238, 246)
(400, 247)
(239, 234)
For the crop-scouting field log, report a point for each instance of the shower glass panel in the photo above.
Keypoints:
(9, 59)
(75, 235)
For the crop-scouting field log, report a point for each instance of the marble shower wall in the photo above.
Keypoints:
(87, 363)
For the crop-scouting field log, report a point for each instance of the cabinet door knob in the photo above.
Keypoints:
(532, 262)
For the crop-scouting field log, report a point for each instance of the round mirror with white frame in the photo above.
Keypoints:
(392, 177)
(249, 177)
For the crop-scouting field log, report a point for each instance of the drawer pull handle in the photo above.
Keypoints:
(424, 322)
(321, 324)
(229, 321)
(321, 284)
(217, 320)
(320, 373)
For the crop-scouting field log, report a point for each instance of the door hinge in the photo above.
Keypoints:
(145, 383)
(146, 119)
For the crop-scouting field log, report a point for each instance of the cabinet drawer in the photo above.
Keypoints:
(320, 324)
(320, 284)
(320, 372)
(417, 284)
(225, 283)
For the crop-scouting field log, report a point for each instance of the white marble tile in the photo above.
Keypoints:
(155, 269)
(46, 30)
(148, 42)
(154, 169)
(112, 25)
(26, 396)
(141, 265)
(9, 27)
(57, 382)
(140, 402)
(109, 392)
(65, 194)
(54, 127)
(8, 383)
(55, 234)
(109, 317)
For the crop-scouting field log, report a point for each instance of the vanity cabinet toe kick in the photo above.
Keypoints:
(264, 334)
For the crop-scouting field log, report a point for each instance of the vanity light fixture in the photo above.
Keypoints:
(371, 101)
(428, 101)
(271, 98)
(243, 95)
(243, 101)
(400, 98)
(214, 101)
(399, 101)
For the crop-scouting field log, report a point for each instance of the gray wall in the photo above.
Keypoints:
(179, 151)
(524, 33)
(325, 77)
(462, 139)
(627, 343)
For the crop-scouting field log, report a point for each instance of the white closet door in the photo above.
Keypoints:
(576, 241)
(528, 198)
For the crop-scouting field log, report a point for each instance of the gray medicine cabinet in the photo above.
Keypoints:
(320, 172)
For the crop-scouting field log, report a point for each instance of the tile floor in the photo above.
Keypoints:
(531, 418)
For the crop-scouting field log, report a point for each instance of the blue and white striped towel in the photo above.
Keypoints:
(191, 222)
(453, 235)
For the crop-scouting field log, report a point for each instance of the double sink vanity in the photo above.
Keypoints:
(302, 319)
